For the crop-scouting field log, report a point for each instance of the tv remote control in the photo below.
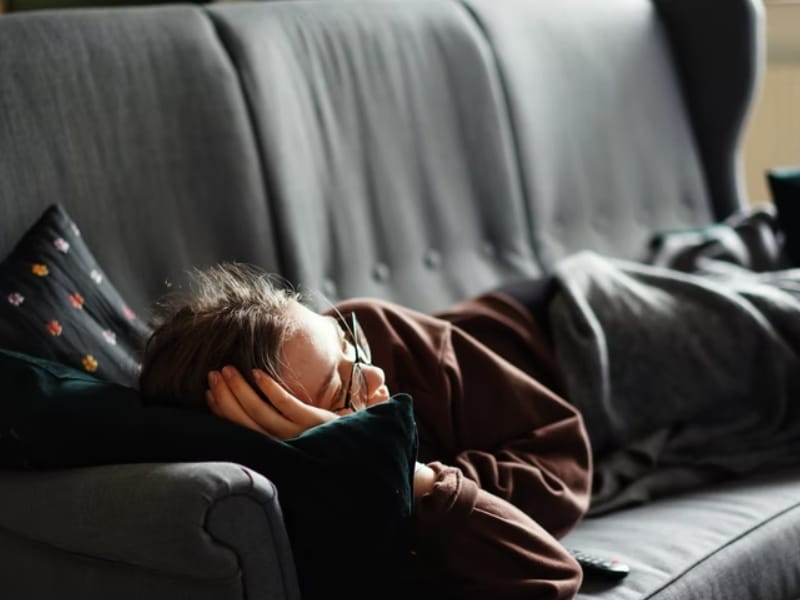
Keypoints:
(595, 566)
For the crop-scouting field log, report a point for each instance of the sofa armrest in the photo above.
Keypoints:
(199, 530)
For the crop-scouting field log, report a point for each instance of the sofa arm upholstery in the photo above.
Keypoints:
(183, 530)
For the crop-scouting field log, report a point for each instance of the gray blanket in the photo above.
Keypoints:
(686, 369)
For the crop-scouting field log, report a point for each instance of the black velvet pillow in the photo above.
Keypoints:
(784, 185)
(345, 487)
(57, 303)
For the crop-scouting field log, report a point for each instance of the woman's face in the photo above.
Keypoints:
(316, 362)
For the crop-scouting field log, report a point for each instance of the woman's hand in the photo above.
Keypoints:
(232, 398)
(424, 480)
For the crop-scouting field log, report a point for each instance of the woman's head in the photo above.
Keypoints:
(326, 363)
(231, 314)
(235, 315)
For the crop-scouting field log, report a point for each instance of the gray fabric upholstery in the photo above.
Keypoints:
(386, 146)
(735, 541)
(606, 149)
(134, 120)
(720, 76)
(252, 526)
(206, 530)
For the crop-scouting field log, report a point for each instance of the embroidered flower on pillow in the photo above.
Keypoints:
(61, 245)
(54, 327)
(89, 363)
(15, 299)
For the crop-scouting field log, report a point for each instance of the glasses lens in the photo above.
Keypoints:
(359, 394)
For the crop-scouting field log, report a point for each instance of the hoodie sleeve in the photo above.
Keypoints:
(473, 545)
(512, 434)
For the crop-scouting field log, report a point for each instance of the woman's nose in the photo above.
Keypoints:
(374, 376)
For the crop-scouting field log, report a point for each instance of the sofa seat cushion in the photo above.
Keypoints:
(736, 540)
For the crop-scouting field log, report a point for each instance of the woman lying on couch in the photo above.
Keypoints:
(682, 372)
(505, 463)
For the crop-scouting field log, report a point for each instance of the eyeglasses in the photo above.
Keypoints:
(357, 394)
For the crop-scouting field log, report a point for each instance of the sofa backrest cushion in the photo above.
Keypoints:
(386, 146)
(606, 147)
(133, 119)
(415, 150)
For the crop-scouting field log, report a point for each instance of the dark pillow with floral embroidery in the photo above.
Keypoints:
(57, 303)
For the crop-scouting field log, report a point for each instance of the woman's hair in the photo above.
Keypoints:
(230, 314)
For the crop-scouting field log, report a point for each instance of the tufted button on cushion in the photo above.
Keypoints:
(380, 272)
(489, 250)
(433, 259)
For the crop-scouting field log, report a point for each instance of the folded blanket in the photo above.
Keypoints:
(683, 376)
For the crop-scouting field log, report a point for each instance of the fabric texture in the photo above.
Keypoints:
(57, 302)
(752, 239)
(682, 377)
(345, 486)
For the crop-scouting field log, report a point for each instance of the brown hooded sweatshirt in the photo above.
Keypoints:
(512, 458)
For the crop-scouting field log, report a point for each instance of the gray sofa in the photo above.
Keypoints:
(416, 150)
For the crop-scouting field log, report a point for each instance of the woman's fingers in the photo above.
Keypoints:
(285, 416)
(291, 407)
(224, 404)
(269, 418)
